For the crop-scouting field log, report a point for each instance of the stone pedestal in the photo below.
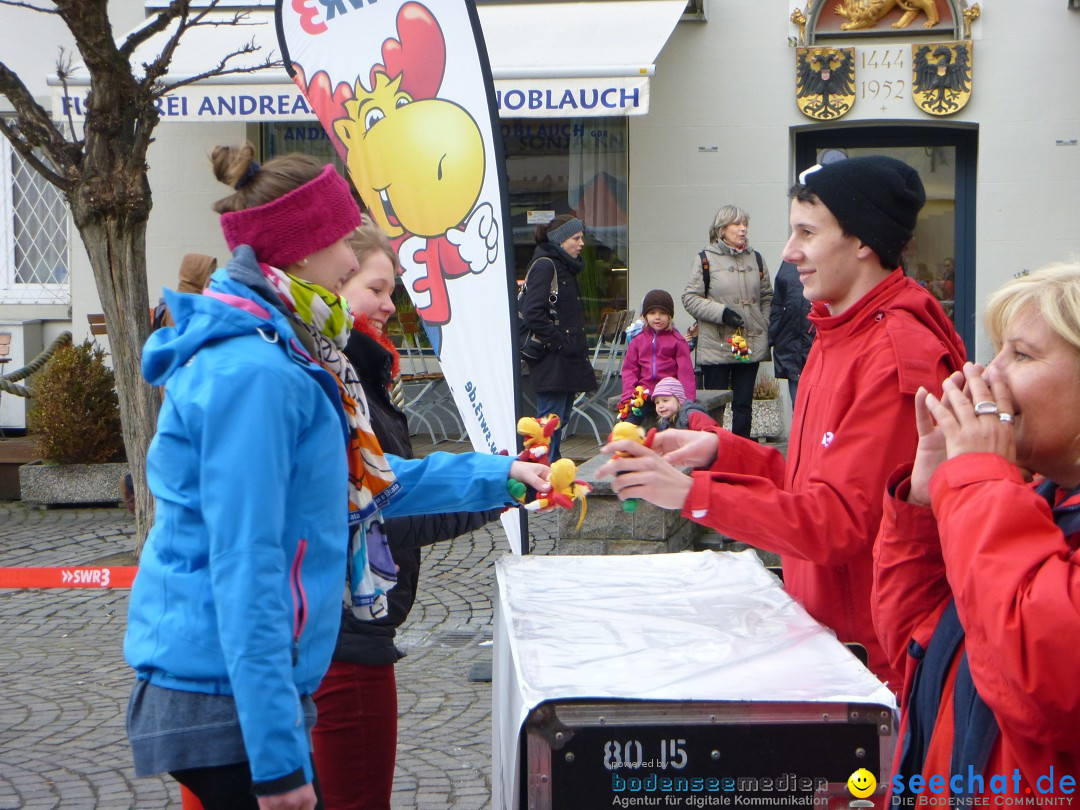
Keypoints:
(609, 529)
(71, 484)
(766, 419)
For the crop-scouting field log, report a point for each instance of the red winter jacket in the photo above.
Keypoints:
(989, 542)
(651, 356)
(853, 424)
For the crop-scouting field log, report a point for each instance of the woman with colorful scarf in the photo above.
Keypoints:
(269, 488)
(355, 738)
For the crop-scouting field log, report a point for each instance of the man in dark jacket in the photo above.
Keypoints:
(790, 332)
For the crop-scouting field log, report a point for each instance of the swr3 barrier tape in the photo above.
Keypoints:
(111, 576)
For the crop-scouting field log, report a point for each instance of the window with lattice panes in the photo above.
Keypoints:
(34, 235)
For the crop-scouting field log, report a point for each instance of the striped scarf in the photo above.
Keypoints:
(371, 568)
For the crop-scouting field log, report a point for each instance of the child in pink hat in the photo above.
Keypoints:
(674, 410)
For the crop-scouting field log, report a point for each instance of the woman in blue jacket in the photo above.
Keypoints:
(269, 489)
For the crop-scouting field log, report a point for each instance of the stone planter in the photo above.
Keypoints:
(47, 484)
(610, 529)
(766, 419)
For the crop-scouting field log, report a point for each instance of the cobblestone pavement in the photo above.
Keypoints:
(65, 684)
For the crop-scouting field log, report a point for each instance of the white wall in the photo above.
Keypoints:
(1028, 96)
(725, 83)
(730, 82)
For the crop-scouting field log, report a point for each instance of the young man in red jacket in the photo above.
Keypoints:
(880, 336)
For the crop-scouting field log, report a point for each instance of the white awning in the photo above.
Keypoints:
(548, 59)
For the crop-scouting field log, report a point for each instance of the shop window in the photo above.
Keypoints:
(34, 235)
(578, 166)
(556, 166)
(299, 137)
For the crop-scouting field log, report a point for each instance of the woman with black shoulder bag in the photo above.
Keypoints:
(563, 369)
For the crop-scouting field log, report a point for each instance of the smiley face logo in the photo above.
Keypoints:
(861, 783)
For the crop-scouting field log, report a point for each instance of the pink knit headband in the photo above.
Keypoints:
(307, 219)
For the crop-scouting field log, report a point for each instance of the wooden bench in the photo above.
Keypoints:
(97, 322)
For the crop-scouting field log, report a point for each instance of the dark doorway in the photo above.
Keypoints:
(941, 255)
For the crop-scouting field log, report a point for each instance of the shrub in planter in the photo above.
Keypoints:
(767, 420)
(767, 387)
(75, 418)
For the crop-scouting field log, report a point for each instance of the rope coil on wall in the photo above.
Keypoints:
(8, 381)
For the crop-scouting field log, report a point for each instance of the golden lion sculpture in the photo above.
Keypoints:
(867, 13)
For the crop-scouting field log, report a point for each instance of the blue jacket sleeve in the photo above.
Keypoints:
(449, 482)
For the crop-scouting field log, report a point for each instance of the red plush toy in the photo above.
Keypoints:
(537, 433)
(634, 404)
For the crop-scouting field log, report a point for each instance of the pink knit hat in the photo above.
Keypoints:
(307, 219)
(670, 387)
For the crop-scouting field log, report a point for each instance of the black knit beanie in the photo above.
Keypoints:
(658, 299)
(875, 198)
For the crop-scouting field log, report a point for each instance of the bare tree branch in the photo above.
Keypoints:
(220, 70)
(27, 153)
(157, 69)
(158, 24)
(30, 6)
(34, 128)
(64, 62)
(160, 66)
(177, 9)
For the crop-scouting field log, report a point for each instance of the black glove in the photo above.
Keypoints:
(731, 318)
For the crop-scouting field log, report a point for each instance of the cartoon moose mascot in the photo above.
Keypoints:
(418, 162)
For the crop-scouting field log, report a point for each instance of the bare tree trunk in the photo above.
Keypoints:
(103, 177)
(118, 257)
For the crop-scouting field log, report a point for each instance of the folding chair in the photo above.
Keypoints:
(426, 395)
(607, 364)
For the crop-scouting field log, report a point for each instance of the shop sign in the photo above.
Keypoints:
(524, 98)
(572, 98)
(207, 102)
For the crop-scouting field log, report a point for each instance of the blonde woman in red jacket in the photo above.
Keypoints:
(977, 581)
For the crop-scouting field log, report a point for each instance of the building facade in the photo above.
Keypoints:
(644, 130)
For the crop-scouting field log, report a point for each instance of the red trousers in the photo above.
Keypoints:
(355, 737)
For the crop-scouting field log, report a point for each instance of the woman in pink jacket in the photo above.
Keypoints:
(977, 583)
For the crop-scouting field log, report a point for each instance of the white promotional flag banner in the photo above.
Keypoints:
(404, 90)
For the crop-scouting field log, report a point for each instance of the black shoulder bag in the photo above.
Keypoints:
(532, 345)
